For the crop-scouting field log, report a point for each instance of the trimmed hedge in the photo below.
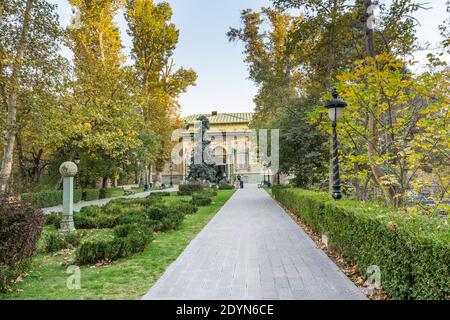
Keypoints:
(55, 241)
(184, 193)
(201, 200)
(127, 240)
(164, 218)
(91, 194)
(189, 188)
(105, 193)
(51, 198)
(225, 186)
(159, 194)
(411, 252)
(185, 207)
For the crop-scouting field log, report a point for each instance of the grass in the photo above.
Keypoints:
(117, 192)
(125, 279)
(269, 190)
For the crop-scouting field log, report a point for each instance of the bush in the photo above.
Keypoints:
(48, 199)
(159, 194)
(105, 193)
(98, 221)
(20, 228)
(184, 193)
(163, 218)
(127, 240)
(131, 202)
(55, 241)
(412, 253)
(98, 250)
(225, 186)
(140, 219)
(201, 200)
(185, 207)
(91, 194)
(190, 188)
(53, 219)
(210, 193)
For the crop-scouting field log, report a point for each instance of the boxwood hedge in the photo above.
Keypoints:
(91, 194)
(411, 252)
(127, 240)
(47, 199)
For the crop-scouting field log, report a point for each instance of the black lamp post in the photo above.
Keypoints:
(77, 162)
(335, 109)
(171, 171)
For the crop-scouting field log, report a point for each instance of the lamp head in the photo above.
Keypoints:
(335, 106)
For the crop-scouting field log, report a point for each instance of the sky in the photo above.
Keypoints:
(223, 83)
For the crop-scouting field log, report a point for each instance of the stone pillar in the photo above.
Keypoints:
(68, 170)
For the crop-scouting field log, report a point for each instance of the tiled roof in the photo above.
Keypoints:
(222, 118)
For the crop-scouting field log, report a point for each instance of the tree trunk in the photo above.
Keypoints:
(37, 166)
(141, 178)
(2, 7)
(372, 146)
(370, 44)
(10, 137)
(136, 177)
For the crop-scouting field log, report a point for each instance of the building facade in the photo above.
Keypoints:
(233, 149)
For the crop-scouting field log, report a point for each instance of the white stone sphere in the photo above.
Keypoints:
(68, 169)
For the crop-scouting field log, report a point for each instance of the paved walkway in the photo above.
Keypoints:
(252, 249)
(101, 202)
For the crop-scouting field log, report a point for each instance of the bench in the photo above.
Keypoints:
(127, 190)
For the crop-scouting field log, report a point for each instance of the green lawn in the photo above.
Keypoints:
(127, 278)
(117, 192)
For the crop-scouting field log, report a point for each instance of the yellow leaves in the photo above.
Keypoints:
(87, 126)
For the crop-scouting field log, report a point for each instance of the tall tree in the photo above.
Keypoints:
(105, 120)
(30, 39)
(159, 84)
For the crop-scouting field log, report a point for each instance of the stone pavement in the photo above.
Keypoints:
(252, 249)
(77, 206)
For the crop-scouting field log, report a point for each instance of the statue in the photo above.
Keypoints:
(202, 167)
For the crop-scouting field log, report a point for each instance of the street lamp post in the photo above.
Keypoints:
(77, 177)
(171, 171)
(335, 109)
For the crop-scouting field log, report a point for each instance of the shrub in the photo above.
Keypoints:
(98, 221)
(97, 250)
(55, 241)
(48, 199)
(412, 253)
(185, 207)
(20, 228)
(160, 194)
(140, 219)
(131, 202)
(53, 219)
(184, 193)
(91, 194)
(127, 240)
(191, 187)
(225, 186)
(201, 200)
(164, 218)
(105, 193)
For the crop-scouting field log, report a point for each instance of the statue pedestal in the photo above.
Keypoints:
(68, 170)
(67, 224)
